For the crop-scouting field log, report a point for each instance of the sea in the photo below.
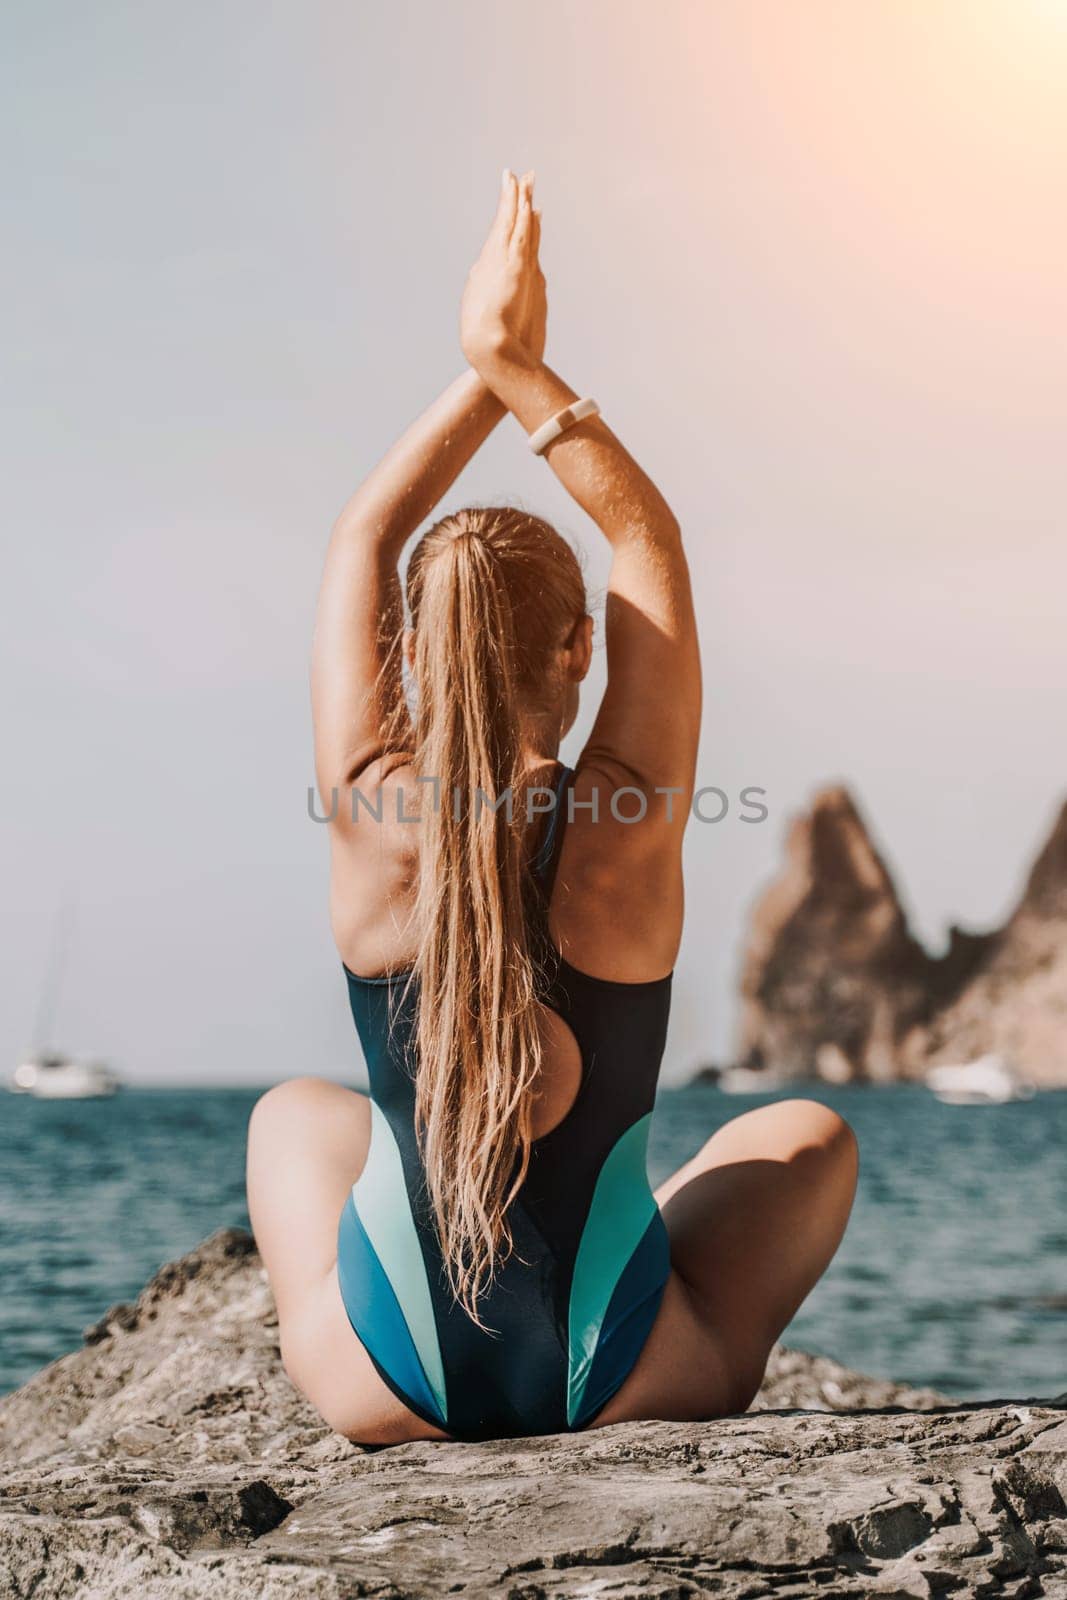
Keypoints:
(953, 1272)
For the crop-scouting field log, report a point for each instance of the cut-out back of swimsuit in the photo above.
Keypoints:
(569, 1310)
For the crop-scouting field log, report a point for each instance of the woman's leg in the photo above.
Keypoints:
(754, 1220)
(307, 1144)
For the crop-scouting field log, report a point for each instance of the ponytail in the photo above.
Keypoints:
(478, 1049)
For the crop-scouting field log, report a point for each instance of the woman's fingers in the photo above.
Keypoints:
(505, 211)
(535, 237)
(520, 237)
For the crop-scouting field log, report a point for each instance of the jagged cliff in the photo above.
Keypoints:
(834, 983)
(1016, 1000)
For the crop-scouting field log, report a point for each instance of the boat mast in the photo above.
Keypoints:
(52, 982)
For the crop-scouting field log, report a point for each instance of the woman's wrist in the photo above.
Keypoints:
(531, 391)
(501, 358)
(484, 396)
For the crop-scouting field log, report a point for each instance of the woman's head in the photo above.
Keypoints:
(518, 566)
(499, 642)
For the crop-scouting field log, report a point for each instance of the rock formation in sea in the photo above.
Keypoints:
(1016, 1000)
(835, 985)
(170, 1459)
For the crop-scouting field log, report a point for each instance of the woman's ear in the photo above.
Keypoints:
(409, 648)
(579, 649)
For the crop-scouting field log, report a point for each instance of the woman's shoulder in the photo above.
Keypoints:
(617, 900)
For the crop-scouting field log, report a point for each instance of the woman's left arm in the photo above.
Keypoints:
(356, 669)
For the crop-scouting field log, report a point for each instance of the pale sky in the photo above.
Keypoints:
(811, 259)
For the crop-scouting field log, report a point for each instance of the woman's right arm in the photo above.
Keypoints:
(648, 724)
(647, 728)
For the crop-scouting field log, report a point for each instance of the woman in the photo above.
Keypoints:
(475, 1251)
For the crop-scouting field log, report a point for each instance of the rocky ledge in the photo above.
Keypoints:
(171, 1459)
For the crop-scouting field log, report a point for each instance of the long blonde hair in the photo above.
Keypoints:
(493, 595)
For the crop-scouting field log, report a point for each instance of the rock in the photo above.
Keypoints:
(835, 985)
(171, 1459)
(1016, 1002)
(832, 978)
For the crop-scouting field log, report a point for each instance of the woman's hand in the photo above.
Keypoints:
(504, 309)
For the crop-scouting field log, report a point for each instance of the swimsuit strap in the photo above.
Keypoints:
(548, 857)
(546, 849)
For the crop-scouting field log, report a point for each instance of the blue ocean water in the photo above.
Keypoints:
(953, 1272)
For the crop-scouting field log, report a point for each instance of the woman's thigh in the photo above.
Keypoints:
(307, 1144)
(754, 1220)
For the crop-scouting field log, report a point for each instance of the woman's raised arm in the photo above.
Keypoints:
(359, 612)
(648, 724)
(355, 674)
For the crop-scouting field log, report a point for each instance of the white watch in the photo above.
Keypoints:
(543, 436)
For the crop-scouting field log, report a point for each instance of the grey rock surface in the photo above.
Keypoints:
(170, 1459)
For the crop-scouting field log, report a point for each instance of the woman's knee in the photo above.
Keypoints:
(811, 1128)
(285, 1098)
(300, 1106)
(272, 1113)
(824, 1151)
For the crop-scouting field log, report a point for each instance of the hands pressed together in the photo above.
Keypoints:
(504, 310)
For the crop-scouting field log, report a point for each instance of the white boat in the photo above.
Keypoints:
(58, 1077)
(47, 1073)
(748, 1080)
(987, 1081)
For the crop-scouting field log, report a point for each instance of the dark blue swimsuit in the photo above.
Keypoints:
(568, 1312)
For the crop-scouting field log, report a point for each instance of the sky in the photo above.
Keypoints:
(811, 258)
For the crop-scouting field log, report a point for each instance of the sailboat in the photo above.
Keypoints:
(47, 1073)
(54, 1076)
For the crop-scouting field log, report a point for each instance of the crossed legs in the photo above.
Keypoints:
(754, 1220)
(307, 1144)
